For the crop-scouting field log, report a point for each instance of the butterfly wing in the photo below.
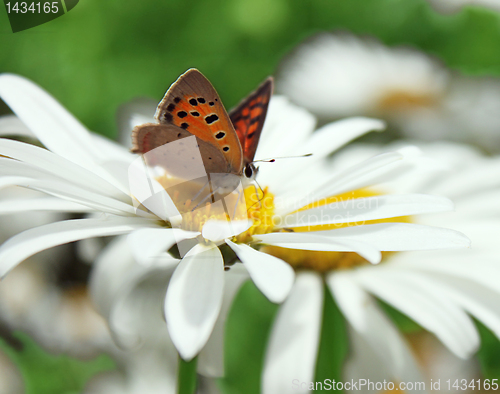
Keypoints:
(193, 105)
(249, 116)
(180, 160)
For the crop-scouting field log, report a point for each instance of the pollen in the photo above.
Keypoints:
(260, 209)
(197, 207)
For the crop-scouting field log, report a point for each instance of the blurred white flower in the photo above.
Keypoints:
(439, 290)
(451, 6)
(336, 75)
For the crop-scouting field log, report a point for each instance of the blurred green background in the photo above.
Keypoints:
(104, 53)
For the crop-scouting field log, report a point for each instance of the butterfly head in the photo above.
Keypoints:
(250, 171)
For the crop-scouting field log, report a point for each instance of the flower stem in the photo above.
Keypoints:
(186, 382)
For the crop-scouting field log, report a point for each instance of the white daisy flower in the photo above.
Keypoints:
(272, 213)
(337, 75)
(440, 290)
(88, 174)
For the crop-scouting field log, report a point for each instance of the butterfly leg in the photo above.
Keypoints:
(257, 194)
(212, 193)
(201, 189)
(237, 204)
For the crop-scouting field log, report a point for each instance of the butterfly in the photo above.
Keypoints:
(191, 107)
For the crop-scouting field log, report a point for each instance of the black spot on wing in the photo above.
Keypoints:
(168, 117)
(170, 107)
(201, 100)
(195, 113)
(211, 118)
(193, 102)
(182, 114)
(220, 135)
(225, 149)
(177, 100)
(184, 126)
(211, 103)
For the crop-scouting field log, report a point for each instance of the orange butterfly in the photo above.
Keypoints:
(192, 107)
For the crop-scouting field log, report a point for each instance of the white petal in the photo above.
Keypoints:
(294, 339)
(284, 119)
(480, 302)
(211, 358)
(334, 135)
(327, 139)
(426, 302)
(70, 192)
(29, 242)
(130, 296)
(12, 125)
(113, 150)
(150, 245)
(271, 275)
(318, 241)
(110, 267)
(52, 124)
(40, 204)
(194, 299)
(400, 236)
(471, 180)
(136, 317)
(482, 269)
(133, 113)
(363, 362)
(216, 230)
(371, 208)
(375, 328)
(364, 174)
(59, 166)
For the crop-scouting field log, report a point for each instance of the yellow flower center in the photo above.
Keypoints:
(398, 100)
(260, 209)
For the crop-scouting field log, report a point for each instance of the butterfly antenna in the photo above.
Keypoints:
(276, 158)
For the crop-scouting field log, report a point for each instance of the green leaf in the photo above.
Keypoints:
(187, 376)
(247, 331)
(403, 322)
(488, 353)
(334, 343)
(44, 373)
